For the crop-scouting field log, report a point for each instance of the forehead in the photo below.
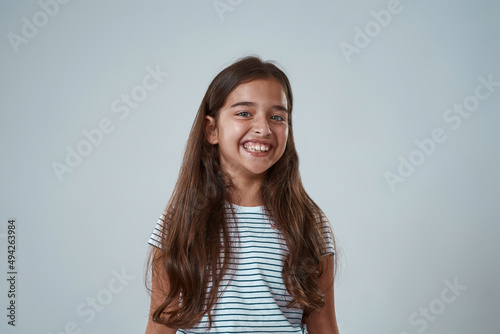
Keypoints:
(263, 92)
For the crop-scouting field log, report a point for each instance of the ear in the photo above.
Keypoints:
(211, 130)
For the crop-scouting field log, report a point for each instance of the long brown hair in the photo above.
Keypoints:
(195, 230)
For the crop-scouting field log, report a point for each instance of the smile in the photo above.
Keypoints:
(256, 147)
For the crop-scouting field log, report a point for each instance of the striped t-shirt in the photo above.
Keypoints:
(254, 300)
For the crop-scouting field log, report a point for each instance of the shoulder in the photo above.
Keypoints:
(158, 231)
(322, 220)
(326, 231)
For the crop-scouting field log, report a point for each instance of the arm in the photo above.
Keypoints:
(158, 284)
(323, 321)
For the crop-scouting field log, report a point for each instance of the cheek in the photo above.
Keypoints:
(238, 131)
(285, 139)
(283, 134)
(240, 127)
(232, 137)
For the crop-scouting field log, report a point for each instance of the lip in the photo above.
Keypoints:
(257, 141)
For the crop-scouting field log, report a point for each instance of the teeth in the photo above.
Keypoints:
(256, 147)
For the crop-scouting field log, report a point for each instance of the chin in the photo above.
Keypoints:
(257, 171)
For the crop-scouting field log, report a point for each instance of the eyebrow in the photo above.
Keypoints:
(252, 104)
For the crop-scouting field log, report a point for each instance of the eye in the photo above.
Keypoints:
(278, 118)
(243, 113)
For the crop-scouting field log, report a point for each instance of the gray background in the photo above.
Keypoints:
(353, 120)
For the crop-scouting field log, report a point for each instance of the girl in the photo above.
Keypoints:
(240, 246)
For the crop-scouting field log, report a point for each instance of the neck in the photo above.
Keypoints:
(248, 192)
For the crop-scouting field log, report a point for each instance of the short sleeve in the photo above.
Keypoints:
(155, 238)
(326, 231)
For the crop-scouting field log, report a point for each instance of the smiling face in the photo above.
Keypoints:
(251, 130)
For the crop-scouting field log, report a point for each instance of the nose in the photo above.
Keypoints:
(261, 125)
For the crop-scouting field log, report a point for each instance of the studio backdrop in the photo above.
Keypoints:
(396, 122)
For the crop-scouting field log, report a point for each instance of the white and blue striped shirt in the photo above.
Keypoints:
(254, 300)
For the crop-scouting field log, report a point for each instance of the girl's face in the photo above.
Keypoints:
(252, 129)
